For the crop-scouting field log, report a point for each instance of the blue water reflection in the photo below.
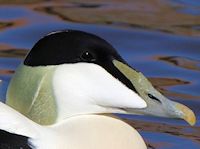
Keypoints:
(191, 7)
(158, 55)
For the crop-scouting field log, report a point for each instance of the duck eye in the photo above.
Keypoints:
(154, 98)
(87, 56)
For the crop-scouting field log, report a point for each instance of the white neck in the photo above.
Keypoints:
(84, 88)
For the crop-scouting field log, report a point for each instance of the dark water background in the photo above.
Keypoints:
(160, 38)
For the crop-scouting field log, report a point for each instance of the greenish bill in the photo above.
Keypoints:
(162, 107)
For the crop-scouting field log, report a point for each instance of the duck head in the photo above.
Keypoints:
(72, 72)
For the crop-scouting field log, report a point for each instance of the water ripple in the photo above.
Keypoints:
(182, 62)
(158, 38)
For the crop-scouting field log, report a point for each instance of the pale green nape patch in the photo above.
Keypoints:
(31, 93)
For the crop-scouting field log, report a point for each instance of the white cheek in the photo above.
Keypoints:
(84, 85)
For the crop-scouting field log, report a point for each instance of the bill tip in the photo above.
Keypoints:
(187, 114)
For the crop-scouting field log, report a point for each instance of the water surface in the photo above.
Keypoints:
(159, 38)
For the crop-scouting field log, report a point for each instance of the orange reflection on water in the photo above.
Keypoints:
(9, 51)
(176, 130)
(149, 14)
(162, 84)
(12, 24)
(182, 62)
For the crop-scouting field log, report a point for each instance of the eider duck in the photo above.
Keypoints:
(64, 82)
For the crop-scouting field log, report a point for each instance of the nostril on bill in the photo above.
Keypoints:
(154, 98)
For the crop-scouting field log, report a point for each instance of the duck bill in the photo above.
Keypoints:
(157, 104)
(185, 113)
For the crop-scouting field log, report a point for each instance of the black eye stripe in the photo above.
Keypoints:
(153, 97)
